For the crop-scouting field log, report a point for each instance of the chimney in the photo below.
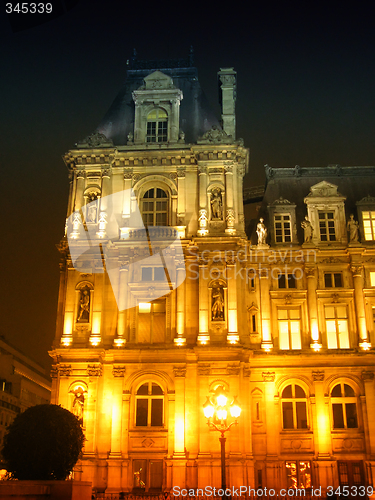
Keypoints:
(227, 99)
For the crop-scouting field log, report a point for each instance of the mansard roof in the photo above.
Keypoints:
(196, 115)
(295, 185)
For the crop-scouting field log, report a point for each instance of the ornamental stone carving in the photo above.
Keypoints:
(204, 369)
(65, 370)
(181, 171)
(215, 136)
(230, 217)
(94, 370)
(118, 370)
(318, 375)
(54, 371)
(179, 371)
(233, 369)
(367, 376)
(95, 140)
(268, 376)
(128, 174)
(357, 270)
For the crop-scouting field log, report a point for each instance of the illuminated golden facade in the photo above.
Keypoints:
(151, 321)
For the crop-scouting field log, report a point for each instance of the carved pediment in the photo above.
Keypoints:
(367, 200)
(215, 136)
(95, 140)
(281, 201)
(158, 81)
(323, 189)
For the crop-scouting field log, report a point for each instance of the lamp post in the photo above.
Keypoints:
(216, 411)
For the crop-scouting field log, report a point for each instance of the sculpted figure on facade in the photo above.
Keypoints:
(216, 204)
(261, 232)
(217, 308)
(307, 230)
(84, 306)
(352, 227)
(78, 404)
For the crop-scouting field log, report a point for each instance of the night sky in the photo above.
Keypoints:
(305, 96)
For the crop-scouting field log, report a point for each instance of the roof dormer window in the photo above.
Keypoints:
(157, 126)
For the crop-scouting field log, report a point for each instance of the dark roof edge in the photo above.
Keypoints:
(328, 171)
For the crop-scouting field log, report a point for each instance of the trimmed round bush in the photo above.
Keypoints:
(44, 442)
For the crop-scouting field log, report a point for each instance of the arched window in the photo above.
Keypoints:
(294, 407)
(344, 407)
(157, 126)
(155, 207)
(149, 402)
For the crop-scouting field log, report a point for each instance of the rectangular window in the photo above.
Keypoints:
(289, 321)
(372, 278)
(327, 226)
(287, 281)
(153, 274)
(298, 474)
(152, 322)
(283, 233)
(368, 218)
(337, 327)
(332, 280)
(351, 474)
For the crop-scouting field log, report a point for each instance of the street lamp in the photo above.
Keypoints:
(215, 409)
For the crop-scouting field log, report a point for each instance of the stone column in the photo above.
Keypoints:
(106, 177)
(179, 420)
(322, 417)
(203, 212)
(272, 422)
(265, 307)
(229, 195)
(232, 337)
(203, 336)
(368, 379)
(312, 308)
(80, 187)
(180, 298)
(364, 341)
(122, 304)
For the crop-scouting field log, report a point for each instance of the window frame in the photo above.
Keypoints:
(294, 400)
(149, 397)
(298, 485)
(290, 321)
(283, 223)
(337, 321)
(371, 225)
(342, 401)
(154, 212)
(159, 132)
(287, 280)
(326, 226)
(333, 276)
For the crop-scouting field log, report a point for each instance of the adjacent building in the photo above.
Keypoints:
(164, 298)
(23, 383)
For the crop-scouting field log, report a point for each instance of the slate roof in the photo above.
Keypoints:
(294, 184)
(196, 116)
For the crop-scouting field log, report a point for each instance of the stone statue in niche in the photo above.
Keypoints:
(78, 403)
(217, 308)
(261, 232)
(216, 205)
(84, 306)
(92, 207)
(307, 230)
(352, 227)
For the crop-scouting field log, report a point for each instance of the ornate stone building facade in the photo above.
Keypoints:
(163, 299)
